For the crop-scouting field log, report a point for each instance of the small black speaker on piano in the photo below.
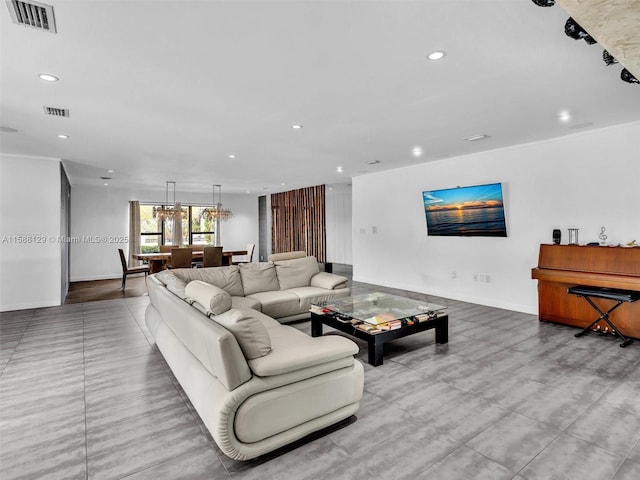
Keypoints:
(557, 234)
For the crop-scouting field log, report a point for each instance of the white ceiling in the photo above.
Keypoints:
(167, 90)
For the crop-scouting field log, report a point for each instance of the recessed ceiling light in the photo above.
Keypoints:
(105, 184)
(436, 55)
(296, 127)
(373, 162)
(110, 171)
(475, 138)
(564, 116)
(283, 184)
(232, 156)
(417, 151)
(47, 77)
(339, 169)
(63, 136)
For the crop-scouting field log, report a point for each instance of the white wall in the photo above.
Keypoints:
(30, 251)
(104, 211)
(586, 180)
(338, 213)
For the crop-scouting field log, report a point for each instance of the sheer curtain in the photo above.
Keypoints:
(134, 231)
(176, 239)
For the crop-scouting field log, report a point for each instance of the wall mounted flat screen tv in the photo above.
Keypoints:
(475, 211)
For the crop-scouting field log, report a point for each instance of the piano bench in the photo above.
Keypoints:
(618, 296)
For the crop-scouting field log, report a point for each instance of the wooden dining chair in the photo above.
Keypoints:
(212, 257)
(181, 257)
(130, 270)
(166, 248)
(197, 247)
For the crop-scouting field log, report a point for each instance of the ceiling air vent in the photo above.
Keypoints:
(32, 14)
(56, 112)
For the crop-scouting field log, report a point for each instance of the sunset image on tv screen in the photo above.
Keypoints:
(466, 211)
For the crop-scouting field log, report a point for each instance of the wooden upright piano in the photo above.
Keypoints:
(563, 266)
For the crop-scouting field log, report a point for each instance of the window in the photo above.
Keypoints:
(150, 230)
(196, 230)
(203, 230)
(168, 228)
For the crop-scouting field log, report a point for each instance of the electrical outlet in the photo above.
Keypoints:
(454, 274)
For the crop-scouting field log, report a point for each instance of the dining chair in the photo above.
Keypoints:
(130, 270)
(245, 258)
(197, 247)
(181, 257)
(166, 248)
(212, 257)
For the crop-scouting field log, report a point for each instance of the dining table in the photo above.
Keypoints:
(159, 261)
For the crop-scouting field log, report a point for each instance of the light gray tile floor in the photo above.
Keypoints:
(85, 394)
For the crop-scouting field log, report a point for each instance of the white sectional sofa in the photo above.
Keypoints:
(256, 383)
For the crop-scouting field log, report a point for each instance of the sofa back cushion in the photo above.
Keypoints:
(297, 272)
(226, 278)
(258, 277)
(214, 300)
(250, 332)
(215, 347)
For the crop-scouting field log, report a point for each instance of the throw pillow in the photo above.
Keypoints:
(213, 299)
(250, 333)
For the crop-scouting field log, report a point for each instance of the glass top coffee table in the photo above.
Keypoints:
(379, 318)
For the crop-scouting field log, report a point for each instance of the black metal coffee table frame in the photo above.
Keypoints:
(376, 341)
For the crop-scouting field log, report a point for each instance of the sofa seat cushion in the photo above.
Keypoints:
(246, 302)
(293, 350)
(258, 277)
(226, 278)
(251, 334)
(214, 300)
(278, 303)
(296, 272)
(313, 295)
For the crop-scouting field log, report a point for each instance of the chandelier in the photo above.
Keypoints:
(169, 211)
(216, 212)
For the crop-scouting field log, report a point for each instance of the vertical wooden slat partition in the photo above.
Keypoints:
(298, 221)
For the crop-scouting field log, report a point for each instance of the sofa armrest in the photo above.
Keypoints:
(303, 354)
(330, 281)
